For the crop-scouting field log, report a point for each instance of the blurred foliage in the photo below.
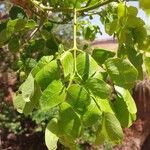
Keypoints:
(9, 119)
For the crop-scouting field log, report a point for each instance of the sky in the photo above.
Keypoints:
(141, 14)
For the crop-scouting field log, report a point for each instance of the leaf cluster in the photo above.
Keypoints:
(83, 99)
(123, 23)
(85, 90)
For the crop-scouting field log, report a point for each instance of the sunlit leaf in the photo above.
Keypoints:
(110, 130)
(51, 139)
(53, 95)
(121, 72)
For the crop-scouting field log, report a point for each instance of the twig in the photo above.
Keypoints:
(83, 9)
(65, 21)
(32, 34)
(99, 4)
(41, 6)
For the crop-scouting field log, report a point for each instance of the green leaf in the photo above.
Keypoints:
(137, 60)
(51, 138)
(4, 37)
(111, 27)
(134, 22)
(122, 112)
(19, 103)
(145, 4)
(30, 24)
(11, 26)
(132, 11)
(42, 62)
(20, 25)
(28, 97)
(16, 12)
(125, 36)
(36, 96)
(105, 105)
(14, 44)
(48, 26)
(52, 42)
(53, 95)
(99, 75)
(36, 45)
(140, 35)
(67, 63)
(89, 33)
(101, 55)
(110, 130)
(69, 122)
(113, 128)
(78, 98)
(147, 64)
(31, 63)
(121, 10)
(122, 51)
(69, 143)
(92, 114)
(3, 26)
(47, 74)
(98, 87)
(22, 106)
(135, 57)
(27, 88)
(86, 65)
(121, 72)
(125, 94)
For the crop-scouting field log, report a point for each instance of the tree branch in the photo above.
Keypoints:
(46, 8)
(32, 34)
(99, 4)
(84, 9)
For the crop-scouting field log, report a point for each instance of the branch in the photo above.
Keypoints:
(32, 34)
(84, 9)
(46, 8)
(92, 13)
(99, 4)
(65, 21)
(34, 31)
